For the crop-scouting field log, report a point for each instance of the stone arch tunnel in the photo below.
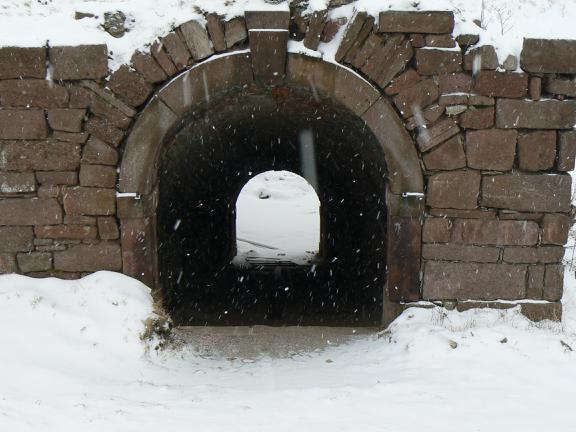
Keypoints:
(435, 183)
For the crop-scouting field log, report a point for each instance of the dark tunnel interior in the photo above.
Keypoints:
(203, 168)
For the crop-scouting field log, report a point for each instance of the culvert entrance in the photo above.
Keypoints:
(203, 167)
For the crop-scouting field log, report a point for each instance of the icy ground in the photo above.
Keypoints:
(71, 360)
(35, 22)
(281, 206)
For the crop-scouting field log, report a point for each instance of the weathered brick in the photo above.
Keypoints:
(8, 263)
(485, 57)
(16, 238)
(13, 182)
(453, 99)
(72, 232)
(545, 114)
(478, 100)
(535, 88)
(215, 28)
(79, 62)
(535, 285)
(88, 258)
(23, 124)
(466, 253)
(436, 62)
(548, 56)
(477, 118)
(49, 191)
(67, 120)
(463, 281)
(402, 82)
(437, 134)
(440, 41)
(455, 83)
(537, 150)
(566, 151)
(89, 201)
(105, 131)
(491, 149)
(447, 156)
(358, 42)
(98, 152)
(456, 189)
(161, 56)
(495, 232)
(177, 50)
(57, 177)
(39, 155)
(108, 228)
(524, 192)
(30, 211)
(463, 214)
(553, 282)
(417, 40)
(148, 67)
(79, 220)
(71, 137)
(130, 86)
(196, 37)
(235, 31)
(34, 261)
(555, 228)
(533, 255)
(501, 84)
(97, 176)
(17, 62)
(421, 95)
(388, 60)
(561, 87)
(437, 230)
(33, 93)
(416, 22)
(351, 33)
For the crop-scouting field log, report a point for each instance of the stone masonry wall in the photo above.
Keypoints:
(495, 147)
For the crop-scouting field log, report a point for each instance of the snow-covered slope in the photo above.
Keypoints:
(35, 22)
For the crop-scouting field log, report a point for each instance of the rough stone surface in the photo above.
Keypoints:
(561, 87)
(549, 114)
(269, 55)
(235, 31)
(71, 232)
(97, 176)
(30, 211)
(463, 281)
(39, 155)
(161, 56)
(15, 182)
(454, 83)
(148, 67)
(350, 35)
(104, 130)
(495, 232)
(402, 82)
(537, 150)
(533, 193)
(553, 282)
(88, 258)
(32, 93)
(535, 88)
(416, 22)
(130, 86)
(79, 62)
(23, 124)
(533, 255)
(67, 120)
(542, 311)
(566, 150)
(466, 253)
(57, 177)
(17, 62)
(555, 229)
(422, 94)
(16, 239)
(315, 28)
(477, 118)
(8, 263)
(548, 56)
(177, 50)
(89, 201)
(447, 156)
(197, 40)
(485, 56)
(465, 40)
(435, 62)
(535, 283)
(456, 189)
(108, 228)
(437, 230)
(440, 41)
(491, 149)
(34, 261)
(501, 84)
(215, 28)
(98, 152)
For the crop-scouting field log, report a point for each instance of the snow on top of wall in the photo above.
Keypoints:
(37, 22)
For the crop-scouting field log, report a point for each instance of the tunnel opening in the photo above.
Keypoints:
(277, 222)
(215, 150)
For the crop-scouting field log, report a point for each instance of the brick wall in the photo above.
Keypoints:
(495, 146)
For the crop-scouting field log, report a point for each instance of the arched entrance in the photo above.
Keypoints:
(191, 151)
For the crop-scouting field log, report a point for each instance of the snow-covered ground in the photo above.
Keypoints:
(281, 206)
(72, 360)
(35, 22)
